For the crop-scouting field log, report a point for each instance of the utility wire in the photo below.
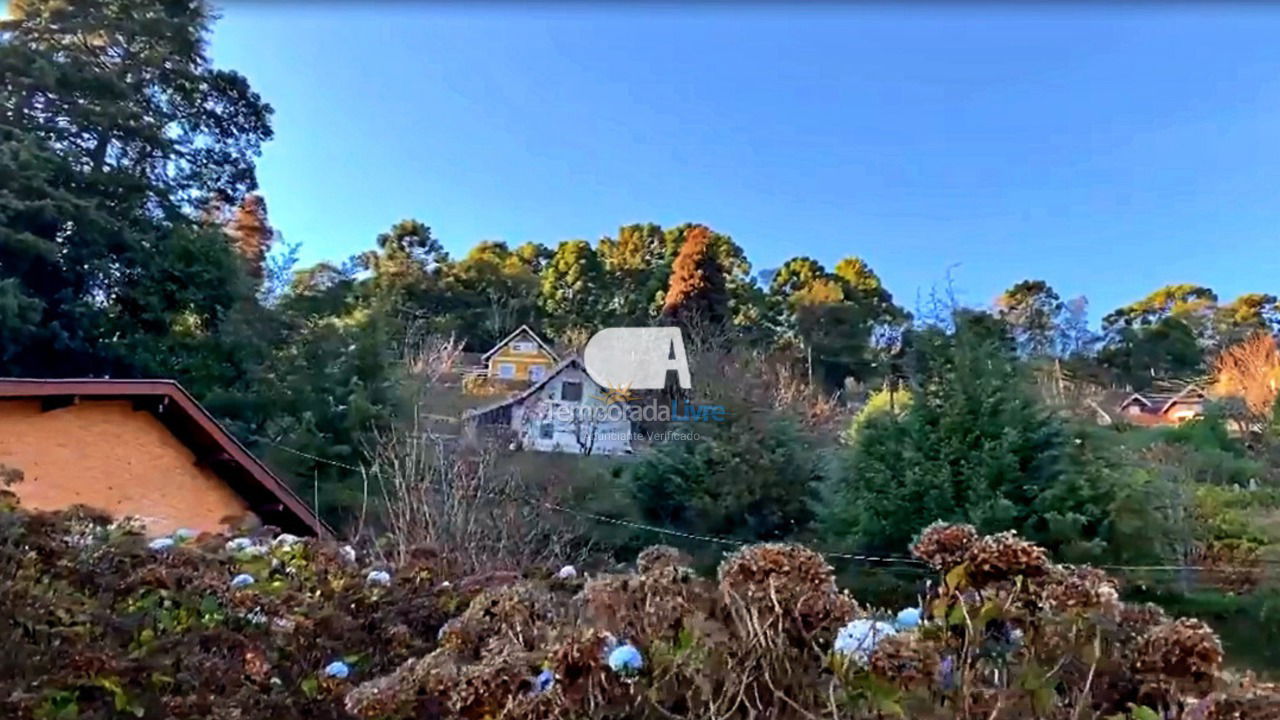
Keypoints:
(739, 543)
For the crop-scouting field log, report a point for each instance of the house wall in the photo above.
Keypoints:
(521, 361)
(104, 454)
(583, 437)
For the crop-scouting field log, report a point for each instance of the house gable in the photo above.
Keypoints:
(542, 416)
(522, 355)
(140, 447)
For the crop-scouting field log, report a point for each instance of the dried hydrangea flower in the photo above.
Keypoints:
(378, 577)
(1004, 556)
(944, 545)
(161, 544)
(659, 557)
(240, 544)
(348, 553)
(286, 540)
(1185, 649)
(185, 534)
(242, 580)
(568, 572)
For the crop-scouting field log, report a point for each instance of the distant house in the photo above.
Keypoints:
(521, 356)
(141, 448)
(566, 411)
(1163, 408)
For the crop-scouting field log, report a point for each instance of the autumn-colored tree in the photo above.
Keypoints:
(1250, 370)
(697, 287)
(251, 233)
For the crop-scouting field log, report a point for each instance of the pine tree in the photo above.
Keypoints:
(251, 234)
(697, 292)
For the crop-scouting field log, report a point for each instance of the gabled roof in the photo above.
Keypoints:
(571, 361)
(1190, 393)
(522, 329)
(1134, 398)
(267, 495)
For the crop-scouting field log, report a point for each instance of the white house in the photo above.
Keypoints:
(566, 411)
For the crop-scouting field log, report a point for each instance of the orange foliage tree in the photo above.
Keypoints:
(1250, 370)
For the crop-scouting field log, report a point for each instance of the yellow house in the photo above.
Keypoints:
(521, 356)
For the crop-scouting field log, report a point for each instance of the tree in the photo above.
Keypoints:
(1161, 335)
(114, 127)
(697, 290)
(1034, 314)
(753, 477)
(572, 287)
(491, 291)
(638, 271)
(1250, 369)
(251, 234)
(1191, 304)
(972, 445)
(798, 275)
(1140, 355)
(1246, 315)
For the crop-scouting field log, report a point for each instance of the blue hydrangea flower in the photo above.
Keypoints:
(239, 544)
(625, 659)
(286, 540)
(544, 681)
(161, 544)
(378, 577)
(908, 618)
(947, 673)
(857, 639)
(568, 572)
(242, 580)
(337, 669)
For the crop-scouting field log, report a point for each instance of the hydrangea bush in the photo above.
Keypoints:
(102, 622)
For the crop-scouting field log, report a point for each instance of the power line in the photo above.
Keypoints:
(889, 559)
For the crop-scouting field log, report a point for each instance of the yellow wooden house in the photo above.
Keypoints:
(521, 356)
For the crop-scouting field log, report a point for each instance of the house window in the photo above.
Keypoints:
(537, 372)
(546, 431)
(571, 391)
(523, 346)
(506, 371)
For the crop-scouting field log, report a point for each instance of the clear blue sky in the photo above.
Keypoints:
(1106, 150)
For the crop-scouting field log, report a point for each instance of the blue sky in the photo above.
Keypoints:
(1106, 150)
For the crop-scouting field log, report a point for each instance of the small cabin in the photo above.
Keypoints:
(566, 412)
(1164, 408)
(521, 356)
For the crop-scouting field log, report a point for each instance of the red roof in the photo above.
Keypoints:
(267, 495)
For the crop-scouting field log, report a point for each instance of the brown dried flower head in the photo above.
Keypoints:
(660, 557)
(1004, 556)
(944, 545)
(906, 660)
(1080, 588)
(1183, 650)
(778, 579)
